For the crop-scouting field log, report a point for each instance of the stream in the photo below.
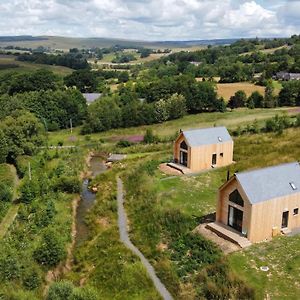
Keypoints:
(87, 199)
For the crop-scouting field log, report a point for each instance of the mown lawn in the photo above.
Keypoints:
(281, 255)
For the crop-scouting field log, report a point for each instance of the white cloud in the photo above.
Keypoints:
(151, 19)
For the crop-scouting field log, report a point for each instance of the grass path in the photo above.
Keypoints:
(122, 222)
(13, 210)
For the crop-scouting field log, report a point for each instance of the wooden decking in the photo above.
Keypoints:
(229, 234)
(181, 168)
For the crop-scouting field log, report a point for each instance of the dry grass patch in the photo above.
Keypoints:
(226, 90)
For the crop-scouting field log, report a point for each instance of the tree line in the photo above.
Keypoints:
(71, 60)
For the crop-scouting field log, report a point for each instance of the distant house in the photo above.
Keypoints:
(262, 203)
(287, 76)
(196, 63)
(202, 149)
(91, 97)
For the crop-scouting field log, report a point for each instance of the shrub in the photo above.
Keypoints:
(191, 252)
(124, 144)
(9, 267)
(238, 100)
(277, 124)
(61, 290)
(31, 280)
(50, 250)
(5, 193)
(68, 184)
(297, 124)
(29, 191)
(149, 137)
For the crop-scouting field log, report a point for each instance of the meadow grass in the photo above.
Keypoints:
(231, 120)
(196, 196)
(27, 66)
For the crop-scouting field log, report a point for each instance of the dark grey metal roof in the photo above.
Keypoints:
(91, 97)
(269, 183)
(206, 136)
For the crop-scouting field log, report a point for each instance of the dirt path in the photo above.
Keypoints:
(124, 237)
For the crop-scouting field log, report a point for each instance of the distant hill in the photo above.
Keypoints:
(20, 38)
(65, 43)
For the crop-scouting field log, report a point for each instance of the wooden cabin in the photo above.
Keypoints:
(262, 203)
(202, 149)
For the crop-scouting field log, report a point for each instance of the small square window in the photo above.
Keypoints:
(221, 154)
(296, 211)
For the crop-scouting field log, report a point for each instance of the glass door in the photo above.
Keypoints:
(235, 218)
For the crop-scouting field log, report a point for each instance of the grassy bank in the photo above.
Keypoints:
(102, 261)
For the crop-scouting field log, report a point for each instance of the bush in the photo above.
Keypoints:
(149, 137)
(61, 290)
(238, 100)
(5, 193)
(218, 282)
(50, 250)
(29, 191)
(192, 252)
(9, 268)
(65, 290)
(32, 280)
(68, 184)
(277, 124)
(124, 144)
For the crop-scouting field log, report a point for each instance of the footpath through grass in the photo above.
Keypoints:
(102, 261)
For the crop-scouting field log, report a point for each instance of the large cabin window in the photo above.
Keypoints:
(236, 198)
(183, 145)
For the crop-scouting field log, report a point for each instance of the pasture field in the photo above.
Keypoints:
(226, 90)
(27, 66)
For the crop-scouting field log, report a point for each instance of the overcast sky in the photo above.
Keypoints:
(151, 19)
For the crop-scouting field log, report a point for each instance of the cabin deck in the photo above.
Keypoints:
(229, 234)
(181, 168)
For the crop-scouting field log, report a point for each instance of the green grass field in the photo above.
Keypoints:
(27, 66)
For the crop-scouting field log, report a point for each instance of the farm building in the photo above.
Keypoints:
(202, 149)
(262, 203)
(287, 76)
(91, 97)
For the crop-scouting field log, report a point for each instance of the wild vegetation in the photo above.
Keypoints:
(162, 96)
